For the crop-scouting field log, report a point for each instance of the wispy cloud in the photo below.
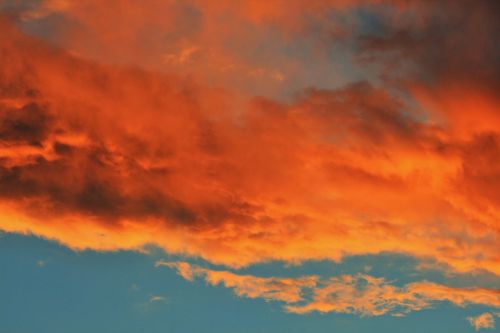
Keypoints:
(359, 294)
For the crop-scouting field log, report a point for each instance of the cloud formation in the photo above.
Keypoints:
(105, 153)
(485, 320)
(288, 290)
(360, 294)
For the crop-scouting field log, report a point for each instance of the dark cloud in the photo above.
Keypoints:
(363, 112)
(440, 39)
(29, 124)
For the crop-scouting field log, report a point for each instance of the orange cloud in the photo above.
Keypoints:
(358, 294)
(101, 156)
(287, 290)
(485, 320)
(378, 297)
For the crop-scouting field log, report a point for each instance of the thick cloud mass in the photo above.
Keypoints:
(100, 155)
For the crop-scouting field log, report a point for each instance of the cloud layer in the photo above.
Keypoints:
(112, 153)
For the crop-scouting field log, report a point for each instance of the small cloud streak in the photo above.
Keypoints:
(287, 290)
(157, 298)
(359, 294)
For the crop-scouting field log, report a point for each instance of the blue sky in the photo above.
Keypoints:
(46, 287)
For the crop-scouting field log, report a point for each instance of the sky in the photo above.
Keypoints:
(249, 166)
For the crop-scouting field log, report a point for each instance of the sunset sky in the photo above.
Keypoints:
(249, 166)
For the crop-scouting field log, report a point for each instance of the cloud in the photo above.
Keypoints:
(288, 290)
(359, 294)
(157, 299)
(485, 320)
(378, 297)
(155, 133)
(106, 157)
(249, 49)
(111, 157)
(451, 71)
